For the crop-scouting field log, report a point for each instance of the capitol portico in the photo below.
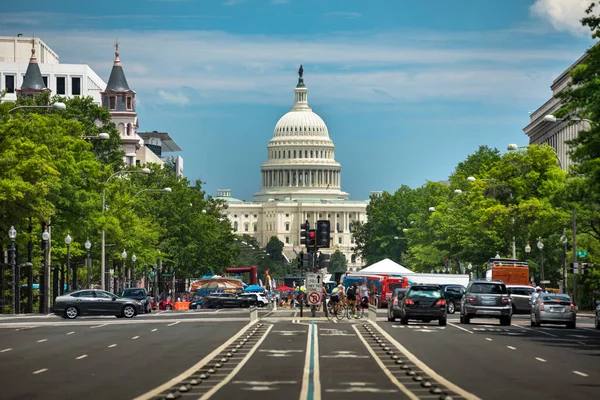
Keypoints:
(300, 181)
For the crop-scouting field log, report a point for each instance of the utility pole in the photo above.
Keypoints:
(575, 269)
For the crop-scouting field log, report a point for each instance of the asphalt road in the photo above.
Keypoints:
(219, 354)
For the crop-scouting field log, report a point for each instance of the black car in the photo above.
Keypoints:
(395, 303)
(486, 299)
(141, 295)
(453, 295)
(423, 303)
(95, 302)
(226, 300)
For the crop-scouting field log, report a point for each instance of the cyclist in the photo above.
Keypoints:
(364, 295)
(351, 295)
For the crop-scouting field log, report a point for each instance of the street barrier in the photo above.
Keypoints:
(182, 305)
(253, 314)
(372, 313)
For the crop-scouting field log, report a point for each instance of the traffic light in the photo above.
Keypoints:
(306, 260)
(324, 260)
(323, 234)
(312, 241)
(304, 233)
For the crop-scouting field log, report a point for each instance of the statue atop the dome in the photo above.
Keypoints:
(300, 71)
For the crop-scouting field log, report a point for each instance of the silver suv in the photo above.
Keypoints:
(486, 299)
(520, 296)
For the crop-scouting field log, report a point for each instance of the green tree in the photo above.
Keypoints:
(274, 249)
(337, 262)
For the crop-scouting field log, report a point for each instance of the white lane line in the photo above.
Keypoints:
(135, 337)
(489, 339)
(238, 367)
(459, 327)
(97, 326)
(389, 374)
(424, 367)
(70, 333)
(590, 329)
(535, 330)
(5, 350)
(540, 359)
(194, 368)
(42, 340)
(511, 347)
(81, 357)
(39, 371)
(580, 374)
(154, 330)
(112, 345)
(174, 323)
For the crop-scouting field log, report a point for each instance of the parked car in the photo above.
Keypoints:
(395, 303)
(486, 299)
(597, 314)
(141, 295)
(226, 300)
(453, 295)
(551, 308)
(423, 303)
(520, 298)
(95, 302)
(255, 299)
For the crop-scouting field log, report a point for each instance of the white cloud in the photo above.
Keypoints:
(564, 15)
(186, 67)
(344, 14)
(176, 98)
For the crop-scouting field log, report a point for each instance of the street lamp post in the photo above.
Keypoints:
(68, 243)
(124, 256)
(470, 267)
(103, 249)
(88, 263)
(46, 297)
(133, 259)
(540, 246)
(12, 234)
(564, 240)
(56, 106)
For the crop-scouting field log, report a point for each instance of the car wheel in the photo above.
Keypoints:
(598, 321)
(404, 320)
(466, 320)
(71, 312)
(505, 321)
(442, 322)
(451, 307)
(571, 325)
(128, 311)
(389, 316)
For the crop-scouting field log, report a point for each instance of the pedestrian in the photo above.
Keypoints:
(535, 295)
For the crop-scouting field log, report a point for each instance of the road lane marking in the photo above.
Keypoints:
(81, 357)
(70, 333)
(174, 323)
(535, 330)
(194, 368)
(238, 367)
(98, 326)
(112, 345)
(424, 367)
(459, 327)
(387, 372)
(511, 347)
(580, 374)
(154, 330)
(489, 339)
(39, 371)
(540, 359)
(135, 337)
(589, 329)
(311, 382)
(42, 340)
(5, 350)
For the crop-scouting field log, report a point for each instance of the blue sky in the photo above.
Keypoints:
(407, 88)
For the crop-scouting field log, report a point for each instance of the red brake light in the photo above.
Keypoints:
(409, 302)
(542, 306)
(395, 301)
(505, 300)
(572, 307)
(441, 302)
(471, 299)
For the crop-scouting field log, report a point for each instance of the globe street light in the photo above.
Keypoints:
(470, 267)
(124, 256)
(46, 294)
(88, 263)
(133, 259)
(56, 106)
(68, 243)
(431, 209)
(540, 246)
(12, 234)
(100, 136)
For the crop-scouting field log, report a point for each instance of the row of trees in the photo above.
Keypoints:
(50, 174)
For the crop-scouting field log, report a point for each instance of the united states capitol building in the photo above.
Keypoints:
(299, 181)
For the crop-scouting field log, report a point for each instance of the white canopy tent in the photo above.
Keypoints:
(386, 266)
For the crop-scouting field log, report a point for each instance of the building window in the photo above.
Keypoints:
(128, 129)
(45, 79)
(287, 226)
(246, 216)
(9, 83)
(76, 86)
(129, 103)
(255, 215)
(353, 259)
(287, 240)
(339, 240)
(287, 215)
(235, 226)
(246, 227)
(255, 227)
(61, 85)
(235, 216)
(112, 103)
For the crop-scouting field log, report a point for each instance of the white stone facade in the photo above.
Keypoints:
(301, 181)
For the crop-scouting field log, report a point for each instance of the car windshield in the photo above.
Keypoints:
(134, 293)
(429, 293)
(559, 297)
(488, 288)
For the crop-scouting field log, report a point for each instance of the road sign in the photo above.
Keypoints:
(545, 282)
(314, 298)
(582, 253)
(314, 282)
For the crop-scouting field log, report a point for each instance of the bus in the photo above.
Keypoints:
(511, 272)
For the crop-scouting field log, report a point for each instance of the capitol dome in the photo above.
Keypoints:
(301, 162)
